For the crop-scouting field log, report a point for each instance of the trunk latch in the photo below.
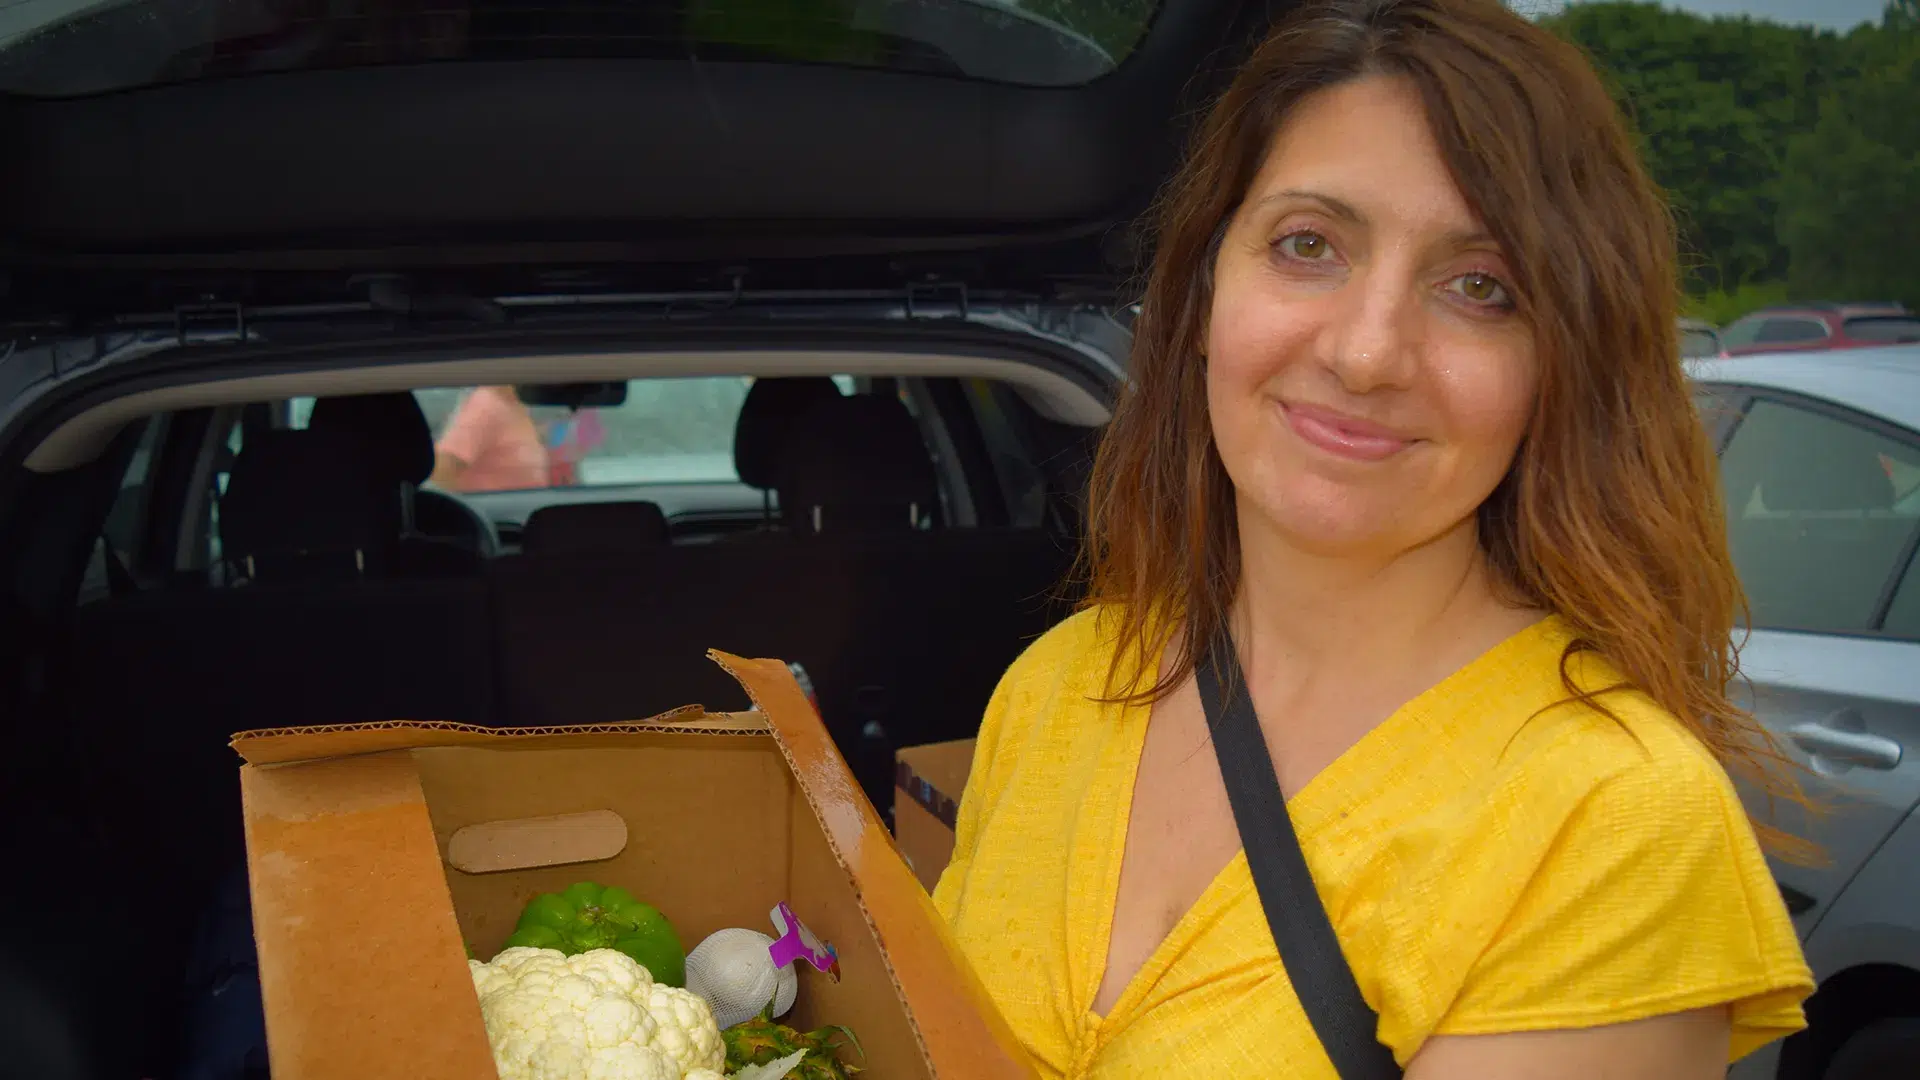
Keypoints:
(212, 320)
(937, 300)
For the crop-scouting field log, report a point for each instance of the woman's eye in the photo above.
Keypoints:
(1307, 246)
(1483, 289)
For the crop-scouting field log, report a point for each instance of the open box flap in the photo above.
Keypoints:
(960, 1030)
(333, 922)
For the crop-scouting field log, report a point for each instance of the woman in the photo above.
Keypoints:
(1407, 423)
(491, 444)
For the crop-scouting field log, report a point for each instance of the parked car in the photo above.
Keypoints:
(1820, 455)
(1698, 338)
(1820, 326)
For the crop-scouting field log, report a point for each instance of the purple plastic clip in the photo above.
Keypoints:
(796, 942)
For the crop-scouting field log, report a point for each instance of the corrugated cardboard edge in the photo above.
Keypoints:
(318, 835)
(281, 746)
(953, 1019)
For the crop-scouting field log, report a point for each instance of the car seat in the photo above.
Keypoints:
(396, 429)
(764, 431)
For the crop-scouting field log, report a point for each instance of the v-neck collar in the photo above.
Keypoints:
(1327, 796)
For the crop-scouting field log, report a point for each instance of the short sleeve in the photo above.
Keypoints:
(977, 793)
(1652, 898)
(473, 427)
(1027, 692)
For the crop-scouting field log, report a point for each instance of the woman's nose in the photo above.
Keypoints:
(1374, 333)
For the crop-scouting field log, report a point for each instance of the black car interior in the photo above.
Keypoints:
(335, 608)
(766, 419)
(395, 427)
(409, 205)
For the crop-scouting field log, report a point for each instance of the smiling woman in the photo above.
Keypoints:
(1409, 451)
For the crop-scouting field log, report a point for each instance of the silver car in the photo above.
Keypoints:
(1820, 457)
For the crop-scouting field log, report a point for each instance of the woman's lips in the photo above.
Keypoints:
(1342, 435)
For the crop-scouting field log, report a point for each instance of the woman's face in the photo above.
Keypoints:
(1368, 379)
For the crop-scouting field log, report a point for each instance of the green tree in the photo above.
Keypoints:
(1715, 103)
(1850, 210)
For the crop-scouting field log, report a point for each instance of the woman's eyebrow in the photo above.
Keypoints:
(1474, 237)
(1333, 206)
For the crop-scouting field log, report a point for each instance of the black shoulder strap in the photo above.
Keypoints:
(1301, 929)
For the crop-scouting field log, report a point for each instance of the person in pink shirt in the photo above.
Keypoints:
(491, 444)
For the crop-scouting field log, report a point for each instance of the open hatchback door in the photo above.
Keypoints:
(274, 150)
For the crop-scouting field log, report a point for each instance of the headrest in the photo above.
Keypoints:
(861, 462)
(582, 528)
(314, 493)
(1827, 476)
(763, 432)
(392, 424)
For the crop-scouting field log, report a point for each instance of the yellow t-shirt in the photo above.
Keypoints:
(1484, 874)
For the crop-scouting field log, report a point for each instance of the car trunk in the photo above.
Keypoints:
(120, 774)
(262, 196)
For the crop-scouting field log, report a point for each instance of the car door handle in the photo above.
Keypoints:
(1846, 747)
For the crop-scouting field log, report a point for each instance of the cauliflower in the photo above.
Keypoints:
(686, 1030)
(597, 1015)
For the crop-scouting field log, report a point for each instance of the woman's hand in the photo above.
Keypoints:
(1683, 1046)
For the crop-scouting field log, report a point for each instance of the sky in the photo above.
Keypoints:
(1827, 14)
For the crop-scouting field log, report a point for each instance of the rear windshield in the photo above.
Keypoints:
(667, 431)
(1888, 328)
(57, 48)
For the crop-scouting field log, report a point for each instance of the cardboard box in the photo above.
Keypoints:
(930, 779)
(360, 922)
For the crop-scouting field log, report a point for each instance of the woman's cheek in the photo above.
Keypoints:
(1490, 393)
(1249, 343)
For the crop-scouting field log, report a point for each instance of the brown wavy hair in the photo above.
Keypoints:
(1611, 514)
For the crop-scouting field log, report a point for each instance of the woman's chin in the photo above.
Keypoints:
(1328, 530)
(1337, 524)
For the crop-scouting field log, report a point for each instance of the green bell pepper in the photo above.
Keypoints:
(587, 916)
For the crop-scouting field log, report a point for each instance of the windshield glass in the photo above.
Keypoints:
(58, 48)
(1888, 328)
(666, 431)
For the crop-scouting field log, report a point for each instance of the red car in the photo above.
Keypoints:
(1820, 326)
